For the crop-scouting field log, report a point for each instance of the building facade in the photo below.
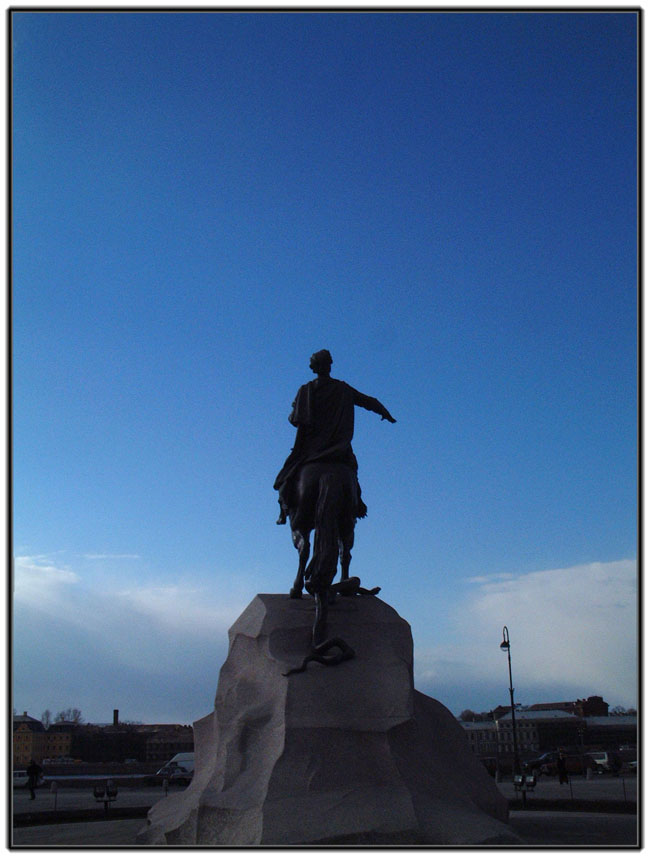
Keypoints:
(539, 730)
(482, 737)
(28, 740)
(58, 740)
(609, 733)
(163, 744)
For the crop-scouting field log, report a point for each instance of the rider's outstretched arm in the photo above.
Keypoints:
(372, 404)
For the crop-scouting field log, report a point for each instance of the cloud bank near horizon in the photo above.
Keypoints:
(573, 632)
(154, 651)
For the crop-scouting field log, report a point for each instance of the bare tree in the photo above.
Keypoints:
(467, 715)
(72, 715)
(621, 710)
(46, 718)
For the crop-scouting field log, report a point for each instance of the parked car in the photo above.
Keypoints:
(536, 764)
(180, 769)
(546, 764)
(576, 764)
(607, 761)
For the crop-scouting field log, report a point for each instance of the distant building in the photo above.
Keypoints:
(108, 744)
(482, 737)
(58, 739)
(92, 743)
(167, 741)
(28, 740)
(566, 706)
(591, 706)
(548, 726)
(500, 711)
(604, 733)
(536, 731)
(539, 730)
(527, 733)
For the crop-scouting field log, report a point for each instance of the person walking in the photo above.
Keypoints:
(561, 769)
(33, 775)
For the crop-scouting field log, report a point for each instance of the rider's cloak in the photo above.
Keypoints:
(323, 413)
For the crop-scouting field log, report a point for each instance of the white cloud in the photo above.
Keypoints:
(38, 579)
(137, 626)
(154, 637)
(569, 628)
(111, 556)
(178, 608)
(483, 579)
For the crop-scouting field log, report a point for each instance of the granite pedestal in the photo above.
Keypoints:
(350, 754)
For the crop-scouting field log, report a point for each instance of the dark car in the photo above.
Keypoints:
(576, 764)
(536, 764)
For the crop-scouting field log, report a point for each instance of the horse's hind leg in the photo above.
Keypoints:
(301, 541)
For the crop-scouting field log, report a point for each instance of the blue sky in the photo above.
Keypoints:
(445, 201)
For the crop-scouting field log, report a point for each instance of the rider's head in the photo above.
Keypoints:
(321, 362)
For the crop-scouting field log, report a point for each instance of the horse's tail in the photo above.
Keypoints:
(322, 567)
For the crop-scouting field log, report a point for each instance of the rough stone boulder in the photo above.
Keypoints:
(349, 754)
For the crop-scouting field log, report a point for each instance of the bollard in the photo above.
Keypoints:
(54, 788)
(519, 783)
(165, 785)
(111, 793)
(624, 792)
(105, 794)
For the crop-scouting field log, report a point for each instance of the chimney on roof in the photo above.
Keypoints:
(24, 714)
(116, 717)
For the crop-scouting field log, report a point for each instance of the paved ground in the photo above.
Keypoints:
(536, 828)
(121, 832)
(546, 828)
(71, 798)
(68, 797)
(601, 788)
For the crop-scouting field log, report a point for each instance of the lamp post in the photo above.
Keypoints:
(581, 733)
(505, 646)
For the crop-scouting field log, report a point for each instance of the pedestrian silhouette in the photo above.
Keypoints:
(33, 774)
(561, 769)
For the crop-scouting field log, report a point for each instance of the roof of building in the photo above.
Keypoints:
(610, 720)
(32, 723)
(540, 715)
(563, 705)
(477, 725)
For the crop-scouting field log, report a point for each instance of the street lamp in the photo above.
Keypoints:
(581, 733)
(505, 646)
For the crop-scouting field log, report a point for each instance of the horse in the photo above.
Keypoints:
(326, 502)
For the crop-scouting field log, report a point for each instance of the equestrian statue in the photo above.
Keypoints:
(319, 490)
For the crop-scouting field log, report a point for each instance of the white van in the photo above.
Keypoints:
(180, 769)
(605, 761)
(20, 778)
